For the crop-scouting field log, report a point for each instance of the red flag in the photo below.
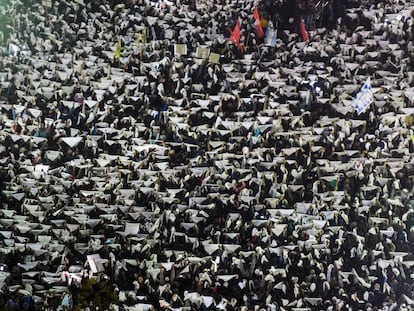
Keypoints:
(303, 32)
(235, 35)
(259, 29)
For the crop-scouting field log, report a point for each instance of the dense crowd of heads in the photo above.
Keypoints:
(186, 182)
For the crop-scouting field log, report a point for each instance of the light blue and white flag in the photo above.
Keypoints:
(270, 37)
(364, 98)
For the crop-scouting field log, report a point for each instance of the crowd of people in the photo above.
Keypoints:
(142, 149)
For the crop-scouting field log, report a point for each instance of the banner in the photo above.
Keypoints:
(202, 52)
(364, 98)
(214, 58)
(180, 49)
(47, 3)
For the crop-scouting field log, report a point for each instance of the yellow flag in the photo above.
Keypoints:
(118, 49)
(409, 120)
(142, 37)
